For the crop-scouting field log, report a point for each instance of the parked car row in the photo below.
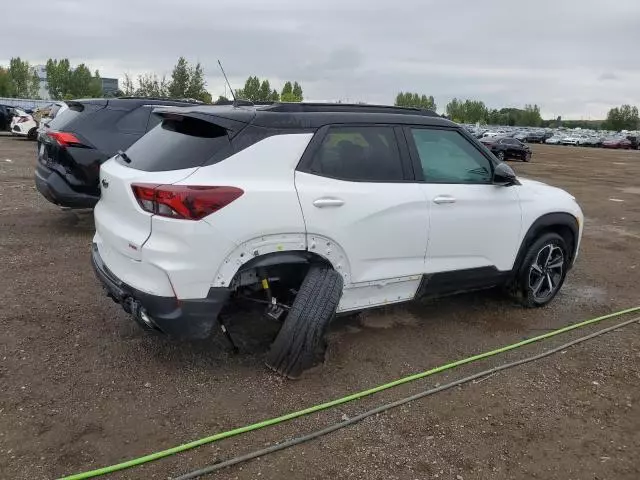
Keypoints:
(575, 137)
(28, 123)
(303, 210)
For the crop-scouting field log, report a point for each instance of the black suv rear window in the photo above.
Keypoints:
(67, 116)
(177, 143)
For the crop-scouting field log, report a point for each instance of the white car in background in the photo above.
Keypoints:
(24, 125)
(570, 140)
(555, 140)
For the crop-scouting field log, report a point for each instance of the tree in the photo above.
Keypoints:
(222, 100)
(251, 90)
(287, 92)
(297, 92)
(180, 79)
(21, 76)
(622, 118)
(196, 87)
(128, 90)
(58, 78)
(275, 96)
(6, 89)
(529, 117)
(415, 100)
(82, 84)
(152, 86)
(454, 111)
(264, 94)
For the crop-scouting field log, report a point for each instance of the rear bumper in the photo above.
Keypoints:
(182, 319)
(53, 187)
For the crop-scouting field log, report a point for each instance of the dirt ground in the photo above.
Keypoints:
(82, 387)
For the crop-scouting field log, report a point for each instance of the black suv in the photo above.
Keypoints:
(81, 138)
(6, 114)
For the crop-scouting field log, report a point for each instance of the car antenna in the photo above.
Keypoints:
(236, 102)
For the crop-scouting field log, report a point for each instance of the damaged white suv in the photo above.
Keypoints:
(318, 209)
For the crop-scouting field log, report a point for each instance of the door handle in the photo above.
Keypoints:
(328, 202)
(444, 199)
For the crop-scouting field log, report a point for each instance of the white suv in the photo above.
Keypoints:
(316, 209)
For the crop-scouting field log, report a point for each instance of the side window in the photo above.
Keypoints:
(369, 154)
(447, 157)
(135, 121)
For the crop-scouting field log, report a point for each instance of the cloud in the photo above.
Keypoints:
(500, 51)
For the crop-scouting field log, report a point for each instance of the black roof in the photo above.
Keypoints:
(314, 115)
(133, 102)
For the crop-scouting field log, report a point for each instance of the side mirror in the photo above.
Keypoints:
(504, 175)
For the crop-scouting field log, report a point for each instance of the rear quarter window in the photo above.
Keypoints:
(178, 143)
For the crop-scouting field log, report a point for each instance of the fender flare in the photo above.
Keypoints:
(547, 222)
(291, 248)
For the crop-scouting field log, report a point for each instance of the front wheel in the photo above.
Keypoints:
(527, 157)
(501, 156)
(543, 271)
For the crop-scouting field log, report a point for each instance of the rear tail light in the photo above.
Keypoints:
(22, 119)
(65, 139)
(185, 202)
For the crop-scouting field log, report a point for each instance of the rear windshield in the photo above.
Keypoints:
(177, 143)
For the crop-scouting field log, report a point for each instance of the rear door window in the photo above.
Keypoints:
(177, 143)
(359, 153)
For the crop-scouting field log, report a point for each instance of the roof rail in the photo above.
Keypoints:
(346, 108)
(133, 97)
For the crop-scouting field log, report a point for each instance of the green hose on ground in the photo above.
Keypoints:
(339, 401)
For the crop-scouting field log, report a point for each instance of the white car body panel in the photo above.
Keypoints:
(538, 199)
(480, 228)
(368, 218)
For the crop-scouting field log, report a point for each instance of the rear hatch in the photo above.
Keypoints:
(168, 154)
(63, 149)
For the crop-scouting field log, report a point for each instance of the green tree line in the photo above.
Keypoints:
(624, 117)
(19, 80)
(256, 90)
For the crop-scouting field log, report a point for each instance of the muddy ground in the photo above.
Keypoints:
(82, 387)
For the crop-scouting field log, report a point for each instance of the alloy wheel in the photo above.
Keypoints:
(545, 273)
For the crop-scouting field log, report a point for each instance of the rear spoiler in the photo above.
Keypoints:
(231, 119)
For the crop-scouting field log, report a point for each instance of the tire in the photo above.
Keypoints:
(531, 286)
(527, 157)
(500, 156)
(300, 342)
(33, 134)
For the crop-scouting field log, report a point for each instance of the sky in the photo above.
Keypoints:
(574, 58)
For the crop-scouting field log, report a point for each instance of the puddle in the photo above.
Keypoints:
(586, 292)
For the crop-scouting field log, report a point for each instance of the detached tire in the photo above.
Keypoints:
(542, 272)
(300, 341)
